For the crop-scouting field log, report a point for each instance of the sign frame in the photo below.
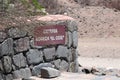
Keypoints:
(49, 35)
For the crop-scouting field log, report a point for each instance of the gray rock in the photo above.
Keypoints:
(62, 52)
(7, 64)
(73, 55)
(49, 54)
(72, 25)
(16, 33)
(56, 63)
(69, 42)
(1, 66)
(6, 48)
(22, 73)
(34, 56)
(36, 71)
(22, 44)
(19, 60)
(75, 39)
(1, 76)
(73, 67)
(48, 72)
(3, 35)
(64, 66)
(9, 77)
(70, 57)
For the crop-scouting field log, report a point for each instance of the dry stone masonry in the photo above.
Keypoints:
(20, 57)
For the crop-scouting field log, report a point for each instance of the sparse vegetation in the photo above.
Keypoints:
(32, 7)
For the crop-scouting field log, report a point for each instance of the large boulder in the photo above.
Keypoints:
(48, 72)
(36, 71)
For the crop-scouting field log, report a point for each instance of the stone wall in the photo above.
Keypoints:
(20, 58)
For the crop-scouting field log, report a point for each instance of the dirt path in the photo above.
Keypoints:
(108, 63)
(99, 47)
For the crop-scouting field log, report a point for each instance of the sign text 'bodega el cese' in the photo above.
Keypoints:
(49, 35)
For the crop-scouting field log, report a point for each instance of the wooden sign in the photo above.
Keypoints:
(49, 35)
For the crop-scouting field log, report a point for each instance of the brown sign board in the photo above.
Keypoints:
(49, 35)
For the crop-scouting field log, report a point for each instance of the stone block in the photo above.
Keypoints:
(48, 72)
(1, 66)
(74, 66)
(75, 39)
(7, 64)
(9, 77)
(3, 36)
(22, 73)
(49, 54)
(56, 63)
(6, 48)
(70, 56)
(34, 56)
(19, 60)
(22, 44)
(62, 52)
(36, 71)
(69, 42)
(64, 65)
(72, 25)
(73, 55)
(2, 77)
(16, 33)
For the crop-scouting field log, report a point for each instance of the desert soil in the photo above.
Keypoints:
(98, 26)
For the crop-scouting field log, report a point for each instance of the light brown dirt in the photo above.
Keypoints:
(99, 47)
(98, 26)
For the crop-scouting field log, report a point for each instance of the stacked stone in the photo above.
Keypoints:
(20, 58)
